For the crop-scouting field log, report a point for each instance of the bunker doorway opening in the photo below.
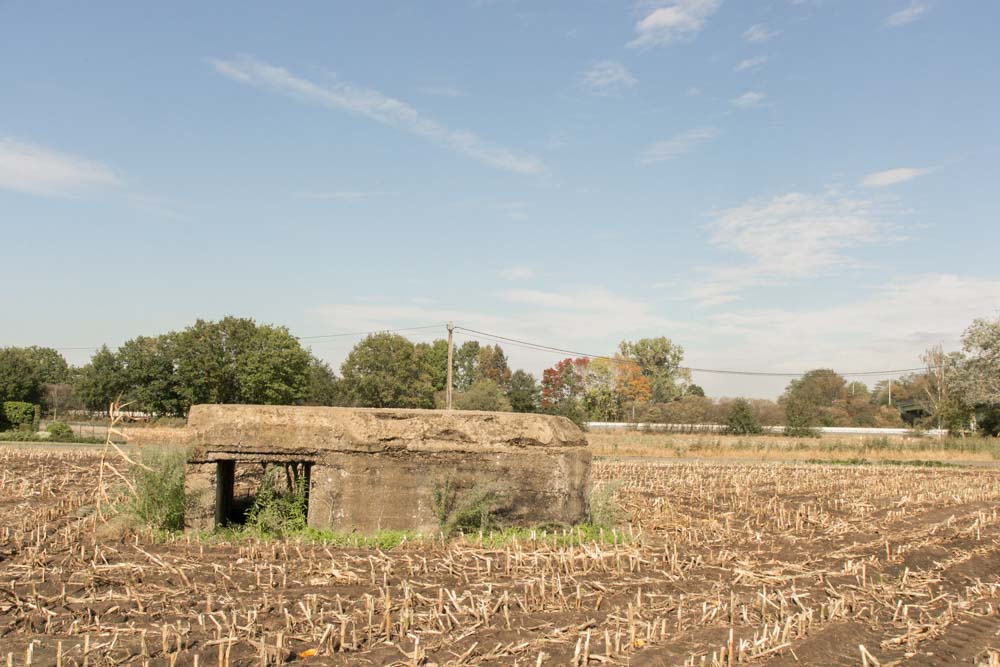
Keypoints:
(239, 485)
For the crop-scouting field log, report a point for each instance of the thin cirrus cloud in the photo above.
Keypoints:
(790, 237)
(441, 91)
(607, 78)
(588, 313)
(750, 63)
(879, 325)
(378, 107)
(343, 195)
(678, 145)
(514, 273)
(673, 20)
(759, 32)
(915, 10)
(883, 179)
(749, 100)
(37, 170)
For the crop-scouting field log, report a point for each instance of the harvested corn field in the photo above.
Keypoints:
(710, 565)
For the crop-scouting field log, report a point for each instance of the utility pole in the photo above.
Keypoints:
(890, 391)
(451, 349)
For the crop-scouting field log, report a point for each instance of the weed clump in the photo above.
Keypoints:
(278, 513)
(475, 509)
(159, 499)
(603, 511)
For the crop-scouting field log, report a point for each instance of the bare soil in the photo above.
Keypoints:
(773, 564)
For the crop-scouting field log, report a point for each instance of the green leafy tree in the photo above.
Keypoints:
(491, 364)
(484, 394)
(273, 369)
(206, 355)
(800, 419)
(323, 387)
(811, 398)
(235, 360)
(49, 366)
(660, 361)
(434, 357)
(980, 375)
(466, 360)
(693, 390)
(19, 379)
(101, 381)
(741, 419)
(523, 392)
(147, 377)
(603, 404)
(386, 371)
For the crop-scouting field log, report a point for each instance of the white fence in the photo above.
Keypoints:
(719, 428)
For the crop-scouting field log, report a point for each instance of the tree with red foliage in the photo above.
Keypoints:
(564, 381)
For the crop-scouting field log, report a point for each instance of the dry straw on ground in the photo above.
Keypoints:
(719, 565)
(781, 448)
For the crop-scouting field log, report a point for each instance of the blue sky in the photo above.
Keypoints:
(775, 185)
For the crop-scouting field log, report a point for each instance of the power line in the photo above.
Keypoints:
(548, 348)
(367, 333)
(539, 347)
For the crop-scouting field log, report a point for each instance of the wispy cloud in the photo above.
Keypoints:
(37, 170)
(789, 237)
(888, 325)
(607, 78)
(590, 313)
(749, 100)
(441, 91)
(378, 107)
(750, 63)
(678, 145)
(343, 195)
(759, 32)
(673, 20)
(909, 14)
(882, 179)
(517, 273)
(515, 210)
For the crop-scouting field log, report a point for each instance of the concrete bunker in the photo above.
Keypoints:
(374, 469)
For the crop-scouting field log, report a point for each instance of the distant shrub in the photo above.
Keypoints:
(17, 415)
(801, 420)
(741, 419)
(20, 436)
(59, 432)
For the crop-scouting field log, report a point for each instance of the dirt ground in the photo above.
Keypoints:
(769, 564)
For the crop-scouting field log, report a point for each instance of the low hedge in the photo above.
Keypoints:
(17, 415)
(32, 436)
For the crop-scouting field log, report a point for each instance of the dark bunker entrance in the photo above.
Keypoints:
(243, 487)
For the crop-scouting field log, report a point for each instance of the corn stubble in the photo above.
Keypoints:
(712, 565)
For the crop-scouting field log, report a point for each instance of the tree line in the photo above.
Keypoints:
(236, 360)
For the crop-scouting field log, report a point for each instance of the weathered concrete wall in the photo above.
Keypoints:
(200, 486)
(378, 469)
(392, 491)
